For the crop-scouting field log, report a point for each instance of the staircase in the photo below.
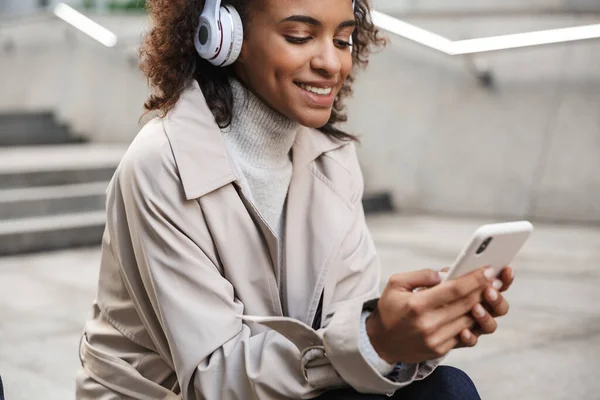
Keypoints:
(51, 186)
(25, 129)
(52, 197)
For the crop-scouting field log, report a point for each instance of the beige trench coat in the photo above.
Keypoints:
(191, 303)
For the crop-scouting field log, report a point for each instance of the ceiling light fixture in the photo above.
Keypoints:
(86, 25)
(485, 44)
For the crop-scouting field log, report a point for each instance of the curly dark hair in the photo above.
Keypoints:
(169, 60)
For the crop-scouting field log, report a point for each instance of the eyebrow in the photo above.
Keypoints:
(305, 19)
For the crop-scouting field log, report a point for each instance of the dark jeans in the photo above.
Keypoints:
(445, 383)
(1, 390)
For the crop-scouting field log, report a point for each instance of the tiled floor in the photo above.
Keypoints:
(548, 347)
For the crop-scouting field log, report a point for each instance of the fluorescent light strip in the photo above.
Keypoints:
(411, 32)
(526, 39)
(481, 45)
(86, 25)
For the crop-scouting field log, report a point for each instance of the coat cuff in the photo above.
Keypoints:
(341, 340)
(316, 367)
(368, 351)
(342, 345)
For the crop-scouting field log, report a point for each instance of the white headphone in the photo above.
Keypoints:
(220, 33)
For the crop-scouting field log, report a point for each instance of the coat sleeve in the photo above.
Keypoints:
(357, 288)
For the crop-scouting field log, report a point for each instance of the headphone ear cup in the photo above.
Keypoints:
(202, 40)
(237, 34)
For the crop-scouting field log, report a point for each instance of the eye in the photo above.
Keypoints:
(297, 40)
(342, 44)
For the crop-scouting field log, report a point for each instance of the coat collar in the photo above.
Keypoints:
(200, 152)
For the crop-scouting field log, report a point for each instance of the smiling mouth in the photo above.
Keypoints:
(319, 91)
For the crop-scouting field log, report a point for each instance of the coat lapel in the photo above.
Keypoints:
(207, 175)
(198, 145)
(243, 251)
(315, 226)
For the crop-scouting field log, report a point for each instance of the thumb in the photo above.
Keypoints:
(415, 279)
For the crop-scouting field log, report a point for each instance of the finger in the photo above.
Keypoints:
(444, 273)
(507, 276)
(440, 346)
(453, 329)
(486, 322)
(497, 284)
(498, 305)
(457, 342)
(467, 339)
(415, 279)
(444, 315)
(450, 344)
(455, 289)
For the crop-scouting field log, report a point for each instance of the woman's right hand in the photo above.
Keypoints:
(412, 327)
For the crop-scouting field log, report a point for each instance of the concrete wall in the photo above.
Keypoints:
(24, 7)
(528, 147)
(17, 7)
(97, 91)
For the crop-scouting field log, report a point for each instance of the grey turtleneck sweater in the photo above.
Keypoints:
(260, 141)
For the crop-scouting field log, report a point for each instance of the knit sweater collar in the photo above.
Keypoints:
(260, 135)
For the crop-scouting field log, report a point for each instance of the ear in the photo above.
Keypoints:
(243, 53)
(239, 66)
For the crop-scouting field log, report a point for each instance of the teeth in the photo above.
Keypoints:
(316, 90)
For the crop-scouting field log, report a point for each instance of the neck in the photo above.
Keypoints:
(259, 134)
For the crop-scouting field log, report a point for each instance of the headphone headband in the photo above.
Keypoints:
(211, 9)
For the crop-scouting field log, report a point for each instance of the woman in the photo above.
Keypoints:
(236, 262)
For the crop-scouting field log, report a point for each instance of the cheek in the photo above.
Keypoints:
(346, 62)
(275, 65)
(286, 61)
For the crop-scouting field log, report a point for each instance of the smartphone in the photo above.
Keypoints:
(493, 245)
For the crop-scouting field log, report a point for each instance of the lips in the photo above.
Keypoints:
(318, 94)
(320, 91)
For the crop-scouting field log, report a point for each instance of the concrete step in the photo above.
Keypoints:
(36, 128)
(51, 200)
(54, 178)
(378, 202)
(52, 197)
(30, 166)
(26, 235)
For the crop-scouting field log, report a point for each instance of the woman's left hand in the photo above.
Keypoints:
(493, 306)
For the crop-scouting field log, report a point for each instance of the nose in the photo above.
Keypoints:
(327, 60)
